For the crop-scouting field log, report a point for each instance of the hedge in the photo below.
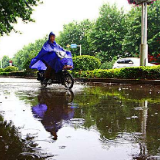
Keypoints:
(10, 69)
(85, 63)
(18, 74)
(4, 73)
(123, 73)
(1, 70)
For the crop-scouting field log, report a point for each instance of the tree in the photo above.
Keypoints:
(154, 29)
(76, 33)
(11, 10)
(23, 57)
(108, 32)
(5, 61)
(132, 39)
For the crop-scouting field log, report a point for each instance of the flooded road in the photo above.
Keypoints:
(93, 122)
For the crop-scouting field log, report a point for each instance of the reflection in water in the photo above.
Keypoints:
(13, 147)
(114, 121)
(123, 113)
(53, 110)
(142, 143)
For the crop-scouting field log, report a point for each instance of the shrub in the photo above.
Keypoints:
(103, 56)
(86, 62)
(1, 70)
(108, 64)
(18, 74)
(10, 69)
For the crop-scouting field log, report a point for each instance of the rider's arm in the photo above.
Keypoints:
(60, 48)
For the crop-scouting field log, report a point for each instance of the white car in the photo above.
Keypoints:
(128, 62)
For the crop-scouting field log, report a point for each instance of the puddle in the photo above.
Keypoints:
(91, 122)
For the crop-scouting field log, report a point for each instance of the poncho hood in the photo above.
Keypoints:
(51, 34)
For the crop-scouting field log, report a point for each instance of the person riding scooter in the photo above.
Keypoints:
(48, 60)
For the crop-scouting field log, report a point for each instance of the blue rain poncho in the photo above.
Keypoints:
(48, 56)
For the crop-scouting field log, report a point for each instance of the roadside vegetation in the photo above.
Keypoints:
(114, 34)
(13, 71)
(122, 73)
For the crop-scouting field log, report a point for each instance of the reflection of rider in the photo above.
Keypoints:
(52, 110)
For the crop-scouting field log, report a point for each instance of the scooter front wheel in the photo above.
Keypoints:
(43, 84)
(68, 81)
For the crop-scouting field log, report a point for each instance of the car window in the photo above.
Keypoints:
(128, 61)
(121, 61)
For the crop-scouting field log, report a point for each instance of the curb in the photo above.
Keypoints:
(121, 81)
(101, 80)
(25, 77)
